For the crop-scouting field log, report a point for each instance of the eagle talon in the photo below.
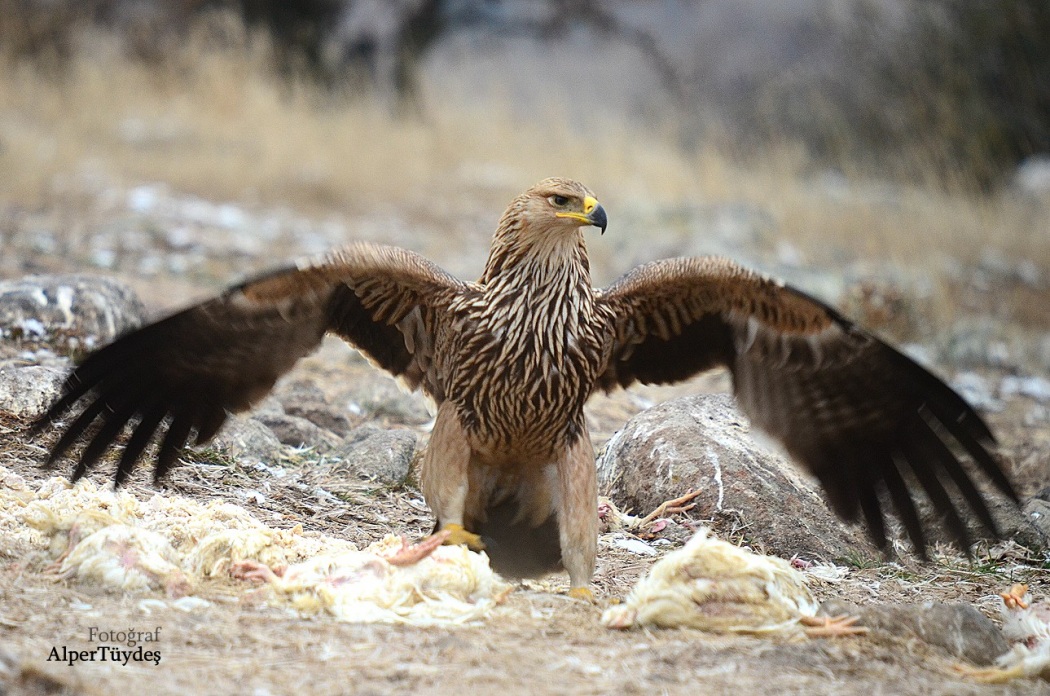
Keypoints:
(458, 536)
(583, 594)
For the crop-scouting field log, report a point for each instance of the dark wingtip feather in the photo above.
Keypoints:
(872, 510)
(174, 441)
(987, 463)
(904, 505)
(930, 483)
(103, 438)
(72, 391)
(74, 431)
(208, 423)
(940, 453)
(140, 438)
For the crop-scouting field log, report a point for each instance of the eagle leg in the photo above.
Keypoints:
(578, 514)
(444, 477)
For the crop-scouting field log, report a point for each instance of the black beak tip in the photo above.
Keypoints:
(598, 218)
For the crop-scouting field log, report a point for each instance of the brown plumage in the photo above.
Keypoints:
(512, 358)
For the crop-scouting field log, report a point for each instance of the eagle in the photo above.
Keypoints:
(511, 359)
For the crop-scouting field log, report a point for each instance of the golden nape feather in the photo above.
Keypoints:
(511, 359)
(718, 587)
(183, 549)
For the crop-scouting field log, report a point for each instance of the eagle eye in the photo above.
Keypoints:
(559, 201)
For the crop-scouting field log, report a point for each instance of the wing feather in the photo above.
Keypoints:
(861, 416)
(177, 379)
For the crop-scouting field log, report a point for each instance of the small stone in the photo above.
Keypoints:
(374, 453)
(298, 432)
(247, 440)
(27, 391)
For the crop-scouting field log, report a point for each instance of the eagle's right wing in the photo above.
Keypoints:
(177, 379)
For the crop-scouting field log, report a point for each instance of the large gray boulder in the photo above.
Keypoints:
(703, 443)
(69, 312)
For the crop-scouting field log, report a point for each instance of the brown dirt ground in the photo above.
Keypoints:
(539, 641)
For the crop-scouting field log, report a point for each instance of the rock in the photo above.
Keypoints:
(1036, 533)
(379, 398)
(703, 443)
(247, 440)
(305, 399)
(1036, 388)
(975, 342)
(69, 311)
(27, 391)
(373, 453)
(977, 392)
(298, 432)
(324, 416)
(1033, 176)
(959, 629)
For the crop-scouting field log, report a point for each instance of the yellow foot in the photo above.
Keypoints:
(458, 536)
(832, 626)
(583, 594)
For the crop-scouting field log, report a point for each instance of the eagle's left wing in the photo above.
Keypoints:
(861, 416)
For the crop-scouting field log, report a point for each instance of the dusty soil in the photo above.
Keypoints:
(539, 641)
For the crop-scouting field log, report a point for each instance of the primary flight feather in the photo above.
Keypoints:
(512, 358)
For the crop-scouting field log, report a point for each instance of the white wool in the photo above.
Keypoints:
(716, 586)
(178, 546)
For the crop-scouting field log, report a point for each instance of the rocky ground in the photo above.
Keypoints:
(333, 450)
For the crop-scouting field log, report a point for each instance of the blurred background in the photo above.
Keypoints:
(890, 156)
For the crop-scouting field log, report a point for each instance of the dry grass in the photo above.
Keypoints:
(216, 122)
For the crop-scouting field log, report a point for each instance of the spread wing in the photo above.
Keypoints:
(869, 422)
(177, 379)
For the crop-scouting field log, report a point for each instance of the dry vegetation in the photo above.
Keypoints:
(218, 124)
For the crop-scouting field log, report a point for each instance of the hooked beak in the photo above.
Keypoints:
(593, 214)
